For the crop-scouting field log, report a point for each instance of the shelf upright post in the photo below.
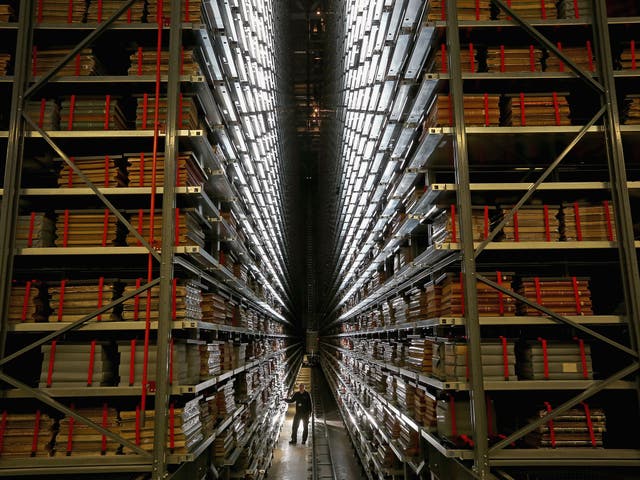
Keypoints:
(618, 175)
(472, 321)
(166, 265)
(13, 164)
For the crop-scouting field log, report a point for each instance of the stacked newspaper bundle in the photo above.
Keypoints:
(77, 439)
(467, 10)
(188, 230)
(631, 110)
(85, 63)
(44, 113)
(446, 226)
(420, 354)
(71, 300)
(70, 365)
(532, 223)
(582, 56)
(565, 296)
(35, 231)
(91, 113)
(26, 435)
(102, 10)
(184, 363)
(468, 59)
(498, 361)
(185, 302)
(454, 422)
(425, 408)
(588, 222)
(629, 56)
(188, 118)
(5, 61)
(574, 9)
(214, 308)
(536, 110)
(27, 302)
(510, 59)
(581, 426)
(6, 13)
(491, 302)
(60, 11)
(86, 228)
(209, 360)
(140, 170)
(531, 9)
(191, 10)
(103, 171)
(554, 360)
(225, 399)
(144, 61)
(480, 110)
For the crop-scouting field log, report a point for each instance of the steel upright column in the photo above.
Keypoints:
(472, 322)
(13, 166)
(618, 174)
(166, 264)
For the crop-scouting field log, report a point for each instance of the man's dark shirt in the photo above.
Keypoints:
(302, 401)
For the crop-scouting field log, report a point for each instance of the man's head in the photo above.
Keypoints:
(301, 387)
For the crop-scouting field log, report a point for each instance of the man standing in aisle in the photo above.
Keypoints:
(302, 400)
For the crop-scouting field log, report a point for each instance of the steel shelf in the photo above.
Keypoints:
(586, 245)
(74, 192)
(116, 26)
(99, 464)
(550, 457)
(105, 134)
(119, 79)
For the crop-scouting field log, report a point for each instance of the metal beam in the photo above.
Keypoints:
(78, 48)
(630, 351)
(597, 386)
(472, 324)
(163, 390)
(531, 30)
(10, 205)
(48, 400)
(90, 184)
(618, 177)
(78, 323)
(533, 188)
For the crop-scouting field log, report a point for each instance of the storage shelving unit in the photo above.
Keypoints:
(405, 158)
(233, 253)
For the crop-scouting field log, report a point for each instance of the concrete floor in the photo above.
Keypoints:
(293, 462)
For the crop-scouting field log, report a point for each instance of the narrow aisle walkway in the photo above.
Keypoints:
(290, 461)
(293, 462)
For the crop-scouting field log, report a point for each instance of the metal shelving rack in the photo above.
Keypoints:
(218, 92)
(391, 167)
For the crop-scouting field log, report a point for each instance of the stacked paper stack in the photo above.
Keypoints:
(629, 56)
(184, 363)
(60, 11)
(45, 114)
(399, 310)
(531, 9)
(542, 360)
(191, 10)
(481, 110)
(409, 440)
(143, 62)
(468, 59)
(77, 439)
(417, 305)
(386, 457)
(508, 59)
(35, 230)
(498, 361)
(454, 423)
(185, 429)
(588, 222)
(405, 396)
(188, 118)
(425, 408)
(491, 302)
(403, 257)
(579, 427)
(446, 226)
(400, 354)
(225, 399)
(27, 302)
(420, 354)
(5, 59)
(209, 360)
(438, 360)
(537, 110)
(565, 296)
(631, 110)
(102, 171)
(378, 379)
(101, 11)
(467, 10)
(70, 301)
(208, 415)
(6, 13)
(75, 365)
(387, 314)
(86, 228)
(223, 445)
(26, 435)
(391, 389)
(188, 230)
(239, 355)
(214, 309)
(92, 113)
(574, 9)
(434, 300)
(581, 56)
(231, 313)
(140, 170)
(185, 302)
(533, 223)
(85, 62)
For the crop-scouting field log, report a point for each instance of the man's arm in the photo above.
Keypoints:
(292, 399)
